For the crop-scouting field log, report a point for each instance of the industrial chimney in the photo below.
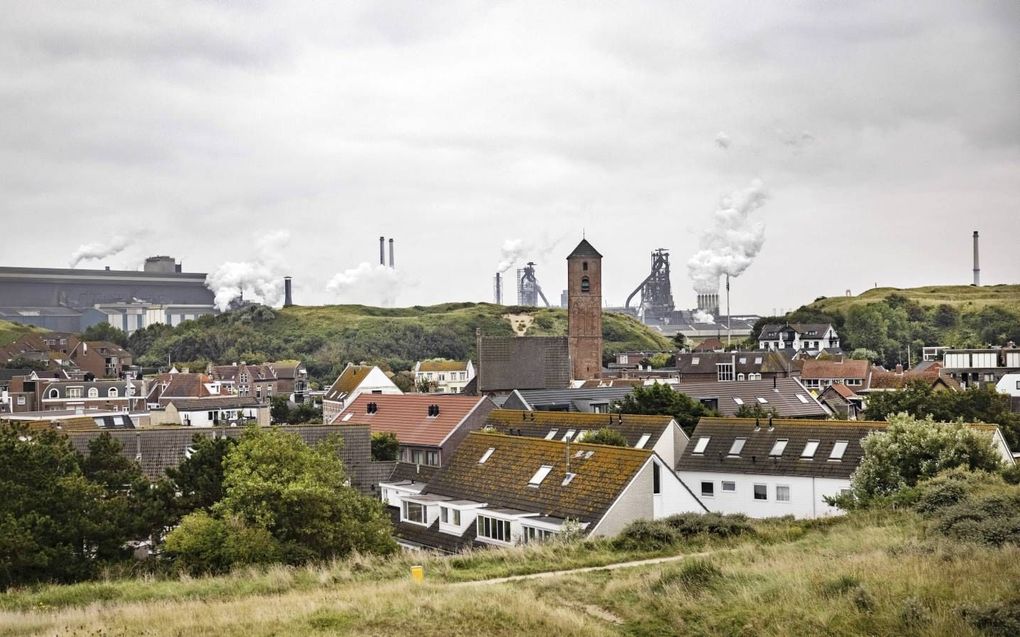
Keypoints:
(382, 251)
(977, 264)
(498, 289)
(391, 253)
(288, 297)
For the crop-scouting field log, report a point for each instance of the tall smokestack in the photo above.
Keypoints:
(288, 297)
(382, 250)
(499, 289)
(391, 253)
(977, 264)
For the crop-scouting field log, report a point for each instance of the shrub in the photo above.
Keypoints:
(384, 446)
(646, 535)
(688, 525)
(605, 436)
(993, 520)
(913, 613)
(692, 575)
(1000, 619)
(1011, 474)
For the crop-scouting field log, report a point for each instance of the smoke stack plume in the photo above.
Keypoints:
(260, 277)
(391, 254)
(977, 263)
(288, 297)
(95, 251)
(382, 251)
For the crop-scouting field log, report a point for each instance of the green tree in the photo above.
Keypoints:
(605, 436)
(279, 410)
(679, 340)
(105, 332)
(756, 411)
(384, 446)
(297, 494)
(910, 450)
(198, 480)
(661, 400)
(946, 316)
(204, 543)
(862, 354)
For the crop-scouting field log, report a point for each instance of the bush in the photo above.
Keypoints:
(605, 436)
(1011, 474)
(384, 446)
(1001, 619)
(646, 535)
(993, 520)
(688, 525)
(692, 575)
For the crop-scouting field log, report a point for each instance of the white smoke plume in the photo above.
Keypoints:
(511, 253)
(368, 284)
(733, 241)
(514, 251)
(722, 140)
(260, 279)
(701, 316)
(93, 251)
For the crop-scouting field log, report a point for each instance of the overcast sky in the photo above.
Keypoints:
(884, 134)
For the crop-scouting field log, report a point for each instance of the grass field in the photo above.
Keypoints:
(868, 573)
(962, 297)
(10, 332)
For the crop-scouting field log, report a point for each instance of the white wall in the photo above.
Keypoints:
(637, 502)
(1009, 384)
(805, 494)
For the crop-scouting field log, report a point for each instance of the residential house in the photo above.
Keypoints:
(106, 395)
(174, 384)
(444, 376)
(813, 337)
(661, 434)
(979, 367)
(73, 420)
(500, 490)
(842, 401)
(212, 411)
(427, 426)
(522, 362)
(254, 381)
(351, 383)
(101, 359)
(892, 380)
(732, 366)
(291, 379)
(818, 374)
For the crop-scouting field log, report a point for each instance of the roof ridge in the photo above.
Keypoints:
(563, 443)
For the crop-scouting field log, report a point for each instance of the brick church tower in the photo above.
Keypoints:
(584, 311)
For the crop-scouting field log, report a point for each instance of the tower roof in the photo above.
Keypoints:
(584, 249)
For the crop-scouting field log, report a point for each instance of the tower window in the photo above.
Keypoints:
(584, 266)
(585, 285)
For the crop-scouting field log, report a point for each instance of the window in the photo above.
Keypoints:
(724, 371)
(809, 449)
(728, 486)
(656, 479)
(540, 475)
(696, 360)
(568, 479)
(708, 489)
(642, 441)
(21, 400)
(585, 285)
(449, 516)
(699, 447)
(570, 434)
(93, 392)
(551, 434)
(778, 448)
(838, 450)
(763, 401)
(74, 392)
(782, 493)
(413, 512)
(493, 529)
(532, 534)
(755, 376)
(802, 398)
(761, 492)
(112, 392)
(485, 456)
(757, 361)
(738, 444)
(738, 400)
(740, 376)
(584, 266)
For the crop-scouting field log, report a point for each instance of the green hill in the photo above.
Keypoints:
(327, 337)
(962, 297)
(10, 332)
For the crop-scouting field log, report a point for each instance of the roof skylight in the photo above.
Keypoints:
(737, 446)
(540, 475)
(570, 434)
(643, 441)
(699, 447)
(838, 450)
(779, 447)
(802, 398)
(763, 400)
(551, 434)
(809, 449)
(568, 479)
(738, 400)
(485, 456)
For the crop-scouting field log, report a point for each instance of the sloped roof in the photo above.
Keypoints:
(745, 362)
(584, 249)
(843, 368)
(502, 481)
(442, 365)
(347, 381)
(884, 379)
(406, 415)
(613, 383)
(108, 348)
(754, 457)
(506, 363)
(570, 399)
(538, 424)
(186, 386)
(213, 402)
(842, 390)
(786, 395)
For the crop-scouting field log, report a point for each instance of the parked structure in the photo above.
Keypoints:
(351, 383)
(444, 376)
(504, 490)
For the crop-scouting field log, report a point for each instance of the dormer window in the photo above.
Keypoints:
(585, 285)
(112, 392)
(93, 392)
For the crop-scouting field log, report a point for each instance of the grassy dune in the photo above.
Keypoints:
(962, 297)
(865, 574)
(10, 332)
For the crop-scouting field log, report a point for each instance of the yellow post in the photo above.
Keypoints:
(417, 574)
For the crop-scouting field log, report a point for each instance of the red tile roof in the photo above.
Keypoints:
(822, 370)
(406, 415)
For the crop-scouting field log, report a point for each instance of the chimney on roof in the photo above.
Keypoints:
(977, 264)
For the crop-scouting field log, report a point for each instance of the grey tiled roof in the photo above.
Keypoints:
(569, 399)
(526, 362)
(585, 249)
(781, 394)
(754, 457)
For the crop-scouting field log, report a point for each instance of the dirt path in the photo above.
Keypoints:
(588, 569)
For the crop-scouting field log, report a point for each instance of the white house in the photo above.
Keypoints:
(501, 490)
(211, 412)
(1009, 384)
(446, 376)
(812, 337)
(351, 383)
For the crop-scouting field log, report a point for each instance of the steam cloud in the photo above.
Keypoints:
(733, 241)
(701, 316)
(261, 278)
(92, 251)
(722, 140)
(367, 283)
(511, 252)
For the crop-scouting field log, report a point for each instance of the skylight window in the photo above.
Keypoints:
(762, 400)
(695, 360)
(809, 449)
(580, 452)
(757, 360)
(699, 447)
(802, 398)
(540, 475)
(485, 456)
(738, 400)
(779, 447)
(643, 441)
(737, 446)
(568, 479)
(838, 450)
(551, 434)
(588, 454)
(348, 416)
(570, 434)
(743, 360)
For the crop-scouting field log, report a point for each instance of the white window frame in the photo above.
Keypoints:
(778, 497)
(778, 447)
(405, 507)
(701, 444)
(840, 446)
(540, 475)
(493, 523)
(754, 492)
(737, 446)
(711, 489)
(813, 446)
(731, 483)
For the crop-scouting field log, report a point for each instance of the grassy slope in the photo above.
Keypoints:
(963, 297)
(869, 573)
(10, 332)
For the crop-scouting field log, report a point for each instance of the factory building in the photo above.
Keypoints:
(70, 300)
